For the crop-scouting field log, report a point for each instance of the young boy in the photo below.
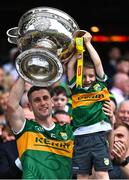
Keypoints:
(60, 99)
(90, 123)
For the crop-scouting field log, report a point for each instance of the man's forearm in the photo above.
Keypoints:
(16, 92)
(125, 170)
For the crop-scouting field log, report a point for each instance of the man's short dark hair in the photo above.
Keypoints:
(118, 124)
(36, 88)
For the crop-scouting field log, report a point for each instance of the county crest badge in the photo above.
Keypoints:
(106, 161)
(63, 135)
(97, 87)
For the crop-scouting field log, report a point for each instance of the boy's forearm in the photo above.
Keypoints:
(93, 53)
(71, 67)
(110, 138)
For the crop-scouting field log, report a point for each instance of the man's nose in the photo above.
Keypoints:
(42, 101)
(116, 139)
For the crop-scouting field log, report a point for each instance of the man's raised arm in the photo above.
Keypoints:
(15, 114)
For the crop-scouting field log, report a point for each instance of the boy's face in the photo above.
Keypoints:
(59, 101)
(89, 76)
(63, 119)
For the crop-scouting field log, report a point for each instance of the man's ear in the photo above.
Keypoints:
(52, 102)
(30, 107)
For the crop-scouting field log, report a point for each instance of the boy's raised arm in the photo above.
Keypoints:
(94, 55)
(71, 70)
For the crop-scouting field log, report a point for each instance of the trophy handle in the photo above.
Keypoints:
(78, 33)
(12, 34)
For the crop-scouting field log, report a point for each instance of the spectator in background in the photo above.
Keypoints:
(62, 117)
(114, 54)
(9, 67)
(60, 99)
(2, 76)
(122, 65)
(120, 152)
(122, 114)
(120, 88)
(10, 166)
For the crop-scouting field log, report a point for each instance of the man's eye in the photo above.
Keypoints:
(37, 100)
(45, 97)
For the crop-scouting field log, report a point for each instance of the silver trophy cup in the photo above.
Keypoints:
(44, 37)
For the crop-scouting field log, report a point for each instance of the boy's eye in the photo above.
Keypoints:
(57, 99)
(62, 99)
(91, 75)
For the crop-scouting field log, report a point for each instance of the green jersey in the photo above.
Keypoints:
(45, 154)
(87, 104)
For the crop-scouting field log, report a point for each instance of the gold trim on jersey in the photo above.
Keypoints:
(85, 99)
(35, 141)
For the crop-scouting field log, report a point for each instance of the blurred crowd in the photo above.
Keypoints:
(117, 69)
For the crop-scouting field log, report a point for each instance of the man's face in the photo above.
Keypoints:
(41, 104)
(123, 113)
(59, 102)
(89, 76)
(121, 134)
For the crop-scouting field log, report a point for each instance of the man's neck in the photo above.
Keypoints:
(48, 122)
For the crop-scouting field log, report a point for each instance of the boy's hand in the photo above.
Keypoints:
(87, 37)
(107, 108)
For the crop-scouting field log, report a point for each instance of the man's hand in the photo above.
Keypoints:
(119, 151)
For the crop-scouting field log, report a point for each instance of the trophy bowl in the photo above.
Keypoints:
(44, 37)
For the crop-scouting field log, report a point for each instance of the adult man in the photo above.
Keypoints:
(120, 152)
(120, 87)
(45, 148)
(123, 112)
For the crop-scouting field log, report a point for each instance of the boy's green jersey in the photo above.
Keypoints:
(87, 103)
(45, 154)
